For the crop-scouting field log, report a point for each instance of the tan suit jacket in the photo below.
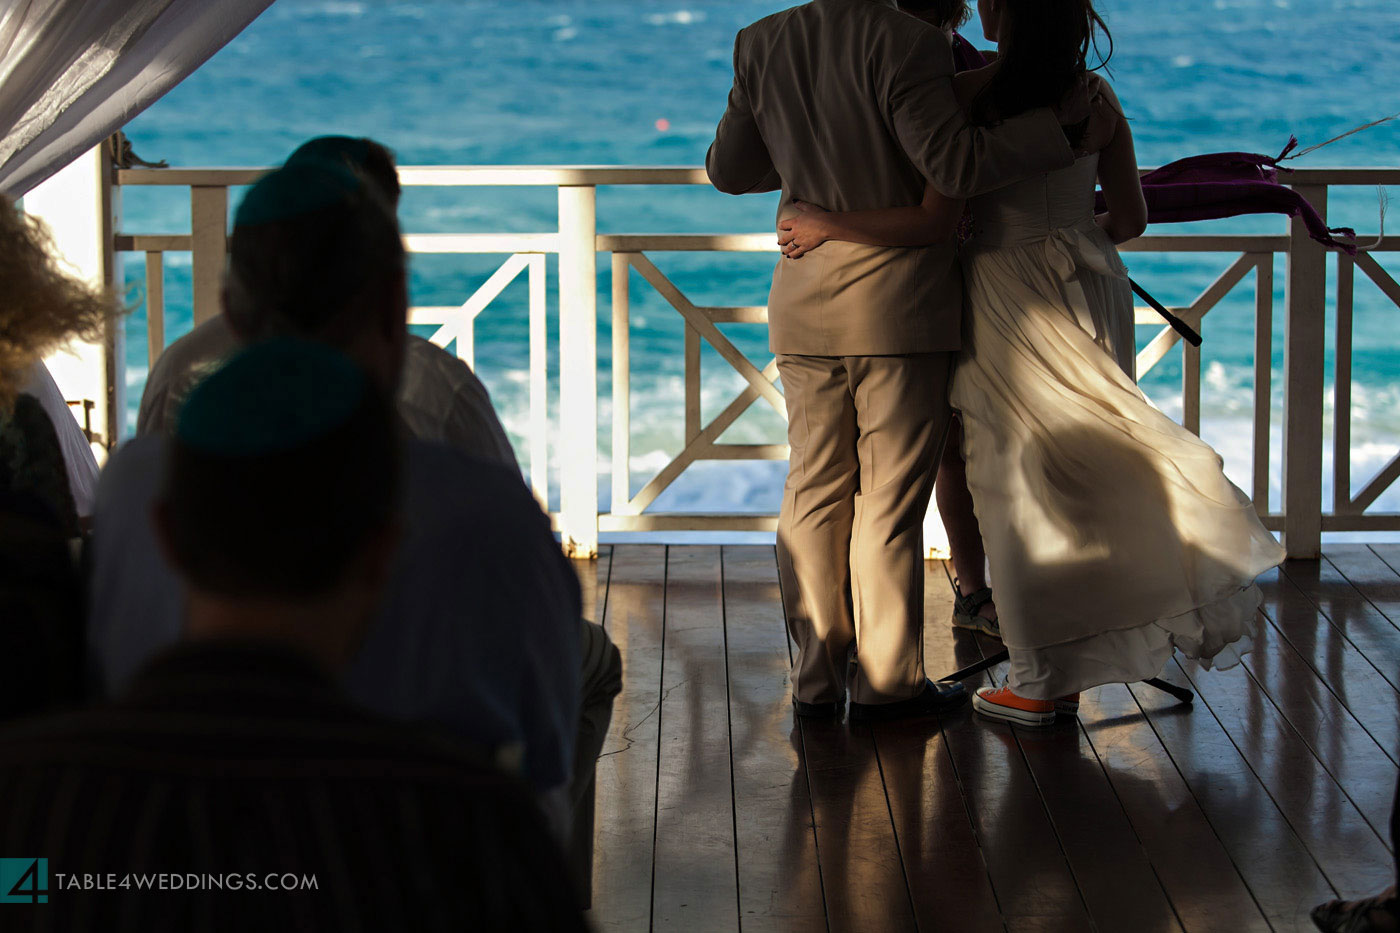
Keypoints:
(849, 104)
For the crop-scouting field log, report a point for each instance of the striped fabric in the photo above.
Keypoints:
(240, 762)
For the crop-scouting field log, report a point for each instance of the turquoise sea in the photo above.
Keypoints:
(643, 81)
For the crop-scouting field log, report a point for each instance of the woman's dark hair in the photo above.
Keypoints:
(948, 14)
(1044, 46)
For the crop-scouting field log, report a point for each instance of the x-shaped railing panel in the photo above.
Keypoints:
(458, 322)
(701, 441)
(1343, 502)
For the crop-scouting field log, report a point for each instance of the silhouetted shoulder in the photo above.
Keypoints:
(484, 514)
(902, 40)
(1099, 87)
(773, 22)
(453, 480)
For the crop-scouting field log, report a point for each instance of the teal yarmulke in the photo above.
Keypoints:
(341, 150)
(295, 189)
(272, 397)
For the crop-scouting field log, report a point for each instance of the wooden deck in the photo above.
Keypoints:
(716, 812)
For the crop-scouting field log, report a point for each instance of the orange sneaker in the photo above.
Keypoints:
(1001, 703)
(1069, 705)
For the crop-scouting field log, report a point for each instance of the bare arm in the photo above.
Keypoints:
(933, 221)
(1126, 216)
(738, 161)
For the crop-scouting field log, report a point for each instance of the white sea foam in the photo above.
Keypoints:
(340, 8)
(676, 18)
(756, 486)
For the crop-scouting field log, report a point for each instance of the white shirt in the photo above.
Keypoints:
(78, 459)
(440, 398)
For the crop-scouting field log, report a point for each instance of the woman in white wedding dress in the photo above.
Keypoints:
(1112, 533)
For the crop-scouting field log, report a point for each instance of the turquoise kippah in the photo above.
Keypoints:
(352, 150)
(272, 397)
(297, 188)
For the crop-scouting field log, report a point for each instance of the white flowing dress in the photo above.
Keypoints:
(1112, 533)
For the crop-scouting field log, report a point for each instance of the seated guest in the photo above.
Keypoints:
(439, 397)
(480, 630)
(235, 754)
(79, 462)
(42, 308)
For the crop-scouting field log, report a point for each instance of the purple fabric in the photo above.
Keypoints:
(1212, 186)
(966, 56)
(1229, 184)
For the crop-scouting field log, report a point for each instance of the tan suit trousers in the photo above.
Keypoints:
(865, 433)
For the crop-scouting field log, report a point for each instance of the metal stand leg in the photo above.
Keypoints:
(972, 670)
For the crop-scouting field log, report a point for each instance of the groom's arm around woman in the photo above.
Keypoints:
(825, 93)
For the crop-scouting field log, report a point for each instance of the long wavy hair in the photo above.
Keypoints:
(1044, 46)
(42, 305)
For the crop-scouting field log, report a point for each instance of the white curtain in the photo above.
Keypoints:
(74, 71)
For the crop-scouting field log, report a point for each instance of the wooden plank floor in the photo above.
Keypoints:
(716, 811)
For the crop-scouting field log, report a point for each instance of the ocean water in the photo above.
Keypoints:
(643, 81)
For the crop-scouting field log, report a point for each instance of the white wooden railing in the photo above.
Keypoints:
(577, 244)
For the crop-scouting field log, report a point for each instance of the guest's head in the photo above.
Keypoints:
(42, 305)
(316, 253)
(358, 153)
(1044, 51)
(946, 15)
(279, 498)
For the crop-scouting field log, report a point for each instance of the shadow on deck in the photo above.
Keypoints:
(1269, 796)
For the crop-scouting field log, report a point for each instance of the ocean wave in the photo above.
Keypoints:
(339, 8)
(756, 486)
(675, 18)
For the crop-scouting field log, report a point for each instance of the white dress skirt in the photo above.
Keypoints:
(1112, 533)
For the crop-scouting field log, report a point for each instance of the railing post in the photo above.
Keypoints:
(209, 229)
(1304, 343)
(80, 206)
(621, 384)
(1263, 378)
(578, 370)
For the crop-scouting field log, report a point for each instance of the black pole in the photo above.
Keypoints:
(972, 670)
(1181, 327)
(992, 660)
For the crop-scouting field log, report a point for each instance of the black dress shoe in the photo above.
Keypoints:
(815, 710)
(936, 698)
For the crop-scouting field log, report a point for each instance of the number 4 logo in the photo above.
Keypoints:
(24, 881)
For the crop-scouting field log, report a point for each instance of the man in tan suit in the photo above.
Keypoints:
(849, 104)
